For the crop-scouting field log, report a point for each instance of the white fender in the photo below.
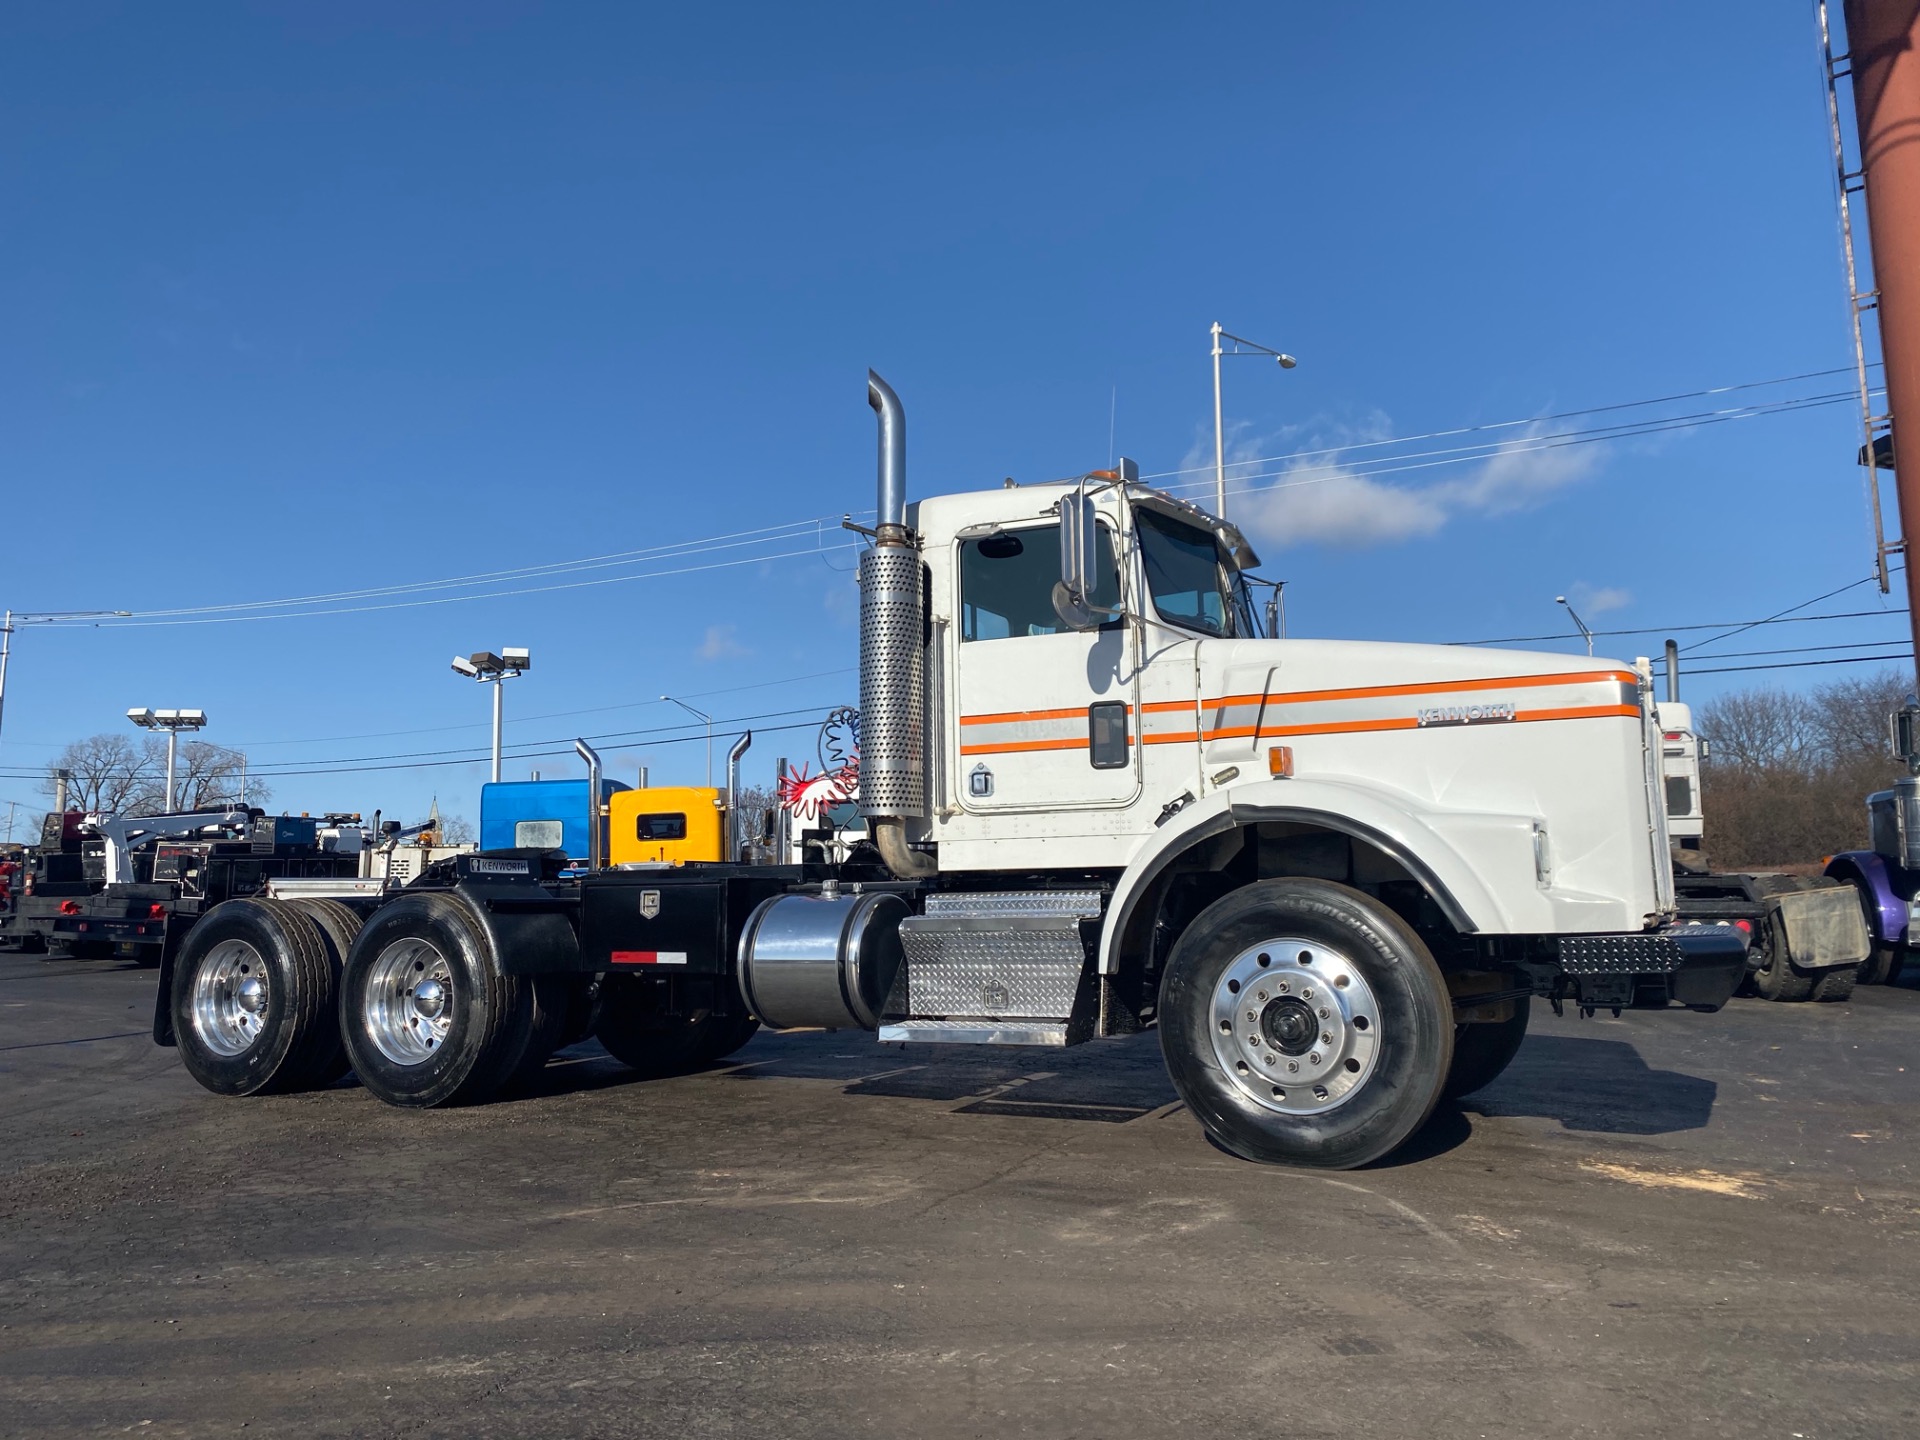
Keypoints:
(1457, 855)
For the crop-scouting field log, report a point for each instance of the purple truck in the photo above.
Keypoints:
(1887, 878)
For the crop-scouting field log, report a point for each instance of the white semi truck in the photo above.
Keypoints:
(1333, 875)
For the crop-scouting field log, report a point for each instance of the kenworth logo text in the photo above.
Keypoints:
(1485, 714)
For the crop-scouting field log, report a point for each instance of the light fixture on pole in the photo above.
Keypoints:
(1240, 347)
(44, 618)
(491, 669)
(173, 722)
(709, 720)
(1578, 622)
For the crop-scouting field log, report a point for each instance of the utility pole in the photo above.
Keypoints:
(1240, 347)
(1881, 36)
(7, 625)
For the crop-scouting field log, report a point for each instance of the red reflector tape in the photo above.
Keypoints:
(649, 957)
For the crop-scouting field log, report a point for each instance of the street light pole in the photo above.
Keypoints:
(1219, 435)
(701, 714)
(495, 670)
(1287, 362)
(1578, 622)
(173, 722)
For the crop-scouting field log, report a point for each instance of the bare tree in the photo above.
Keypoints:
(456, 830)
(122, 775)
(1788, 775)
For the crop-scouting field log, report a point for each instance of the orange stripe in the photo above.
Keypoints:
(1014, 717)
(1015, 747)
(1580, 712)
(1436, 687)
(1342, 727)
(1408, 722)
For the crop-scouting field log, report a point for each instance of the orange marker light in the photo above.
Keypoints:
(1280, 762)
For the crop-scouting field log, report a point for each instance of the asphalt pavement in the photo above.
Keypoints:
(1665, 1224)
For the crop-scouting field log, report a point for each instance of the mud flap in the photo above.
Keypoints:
(1823, 928)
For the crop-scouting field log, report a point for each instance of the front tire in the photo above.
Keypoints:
(1304, 1023)
(428, 1017)
(1481, 1053)
(252, 1000)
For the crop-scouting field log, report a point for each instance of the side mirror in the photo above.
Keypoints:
(1077, 530)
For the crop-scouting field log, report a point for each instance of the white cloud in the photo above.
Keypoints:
(1598, 599)
(719, 644)
(1316, 500)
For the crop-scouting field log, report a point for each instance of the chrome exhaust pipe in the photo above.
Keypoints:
(733, 792)
(893, 685)
(596, 848)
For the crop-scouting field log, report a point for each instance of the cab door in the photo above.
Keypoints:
(1047, 718)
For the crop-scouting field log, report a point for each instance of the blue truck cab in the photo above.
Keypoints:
(538, 814)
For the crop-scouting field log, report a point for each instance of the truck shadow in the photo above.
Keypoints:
(1599, 1086)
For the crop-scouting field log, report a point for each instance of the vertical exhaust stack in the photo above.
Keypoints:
(734, 828)
(1673, 672)
(596, 841)
(893, 687)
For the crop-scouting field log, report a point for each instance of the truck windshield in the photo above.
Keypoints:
(1189, 581)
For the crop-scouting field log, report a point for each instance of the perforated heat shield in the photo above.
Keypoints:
(893, 753)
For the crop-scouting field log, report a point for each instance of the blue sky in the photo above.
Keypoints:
(307, 300)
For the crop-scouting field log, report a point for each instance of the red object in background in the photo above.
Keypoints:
(69, 907)
(1882, 36)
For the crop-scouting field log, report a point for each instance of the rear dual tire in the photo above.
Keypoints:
(429, 1018)
(253, 1000)
(639, 1032)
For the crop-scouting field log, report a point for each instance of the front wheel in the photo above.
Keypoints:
(1481, 1052)
(1304, 1023)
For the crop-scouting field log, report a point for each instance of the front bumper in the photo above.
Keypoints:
(1698, 966)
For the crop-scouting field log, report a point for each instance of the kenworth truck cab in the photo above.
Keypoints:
(1334, 875)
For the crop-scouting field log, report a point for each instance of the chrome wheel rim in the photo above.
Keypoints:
(1295, 1026)
(408, 1002)
(231, 996)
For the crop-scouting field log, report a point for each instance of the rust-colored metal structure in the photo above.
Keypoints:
(1883, 46)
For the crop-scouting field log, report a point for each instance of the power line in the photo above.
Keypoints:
(487, 584)
(555, 748)
(525, 749)
(1785, 619)
(138, 623)
(1805, 664)
(1561, 441)
(545, 715)
(1532, 420)
(1781, 615)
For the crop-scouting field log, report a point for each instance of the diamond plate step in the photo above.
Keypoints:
(977, 1032)
(1004, 968)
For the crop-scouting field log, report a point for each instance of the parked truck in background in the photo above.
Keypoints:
(1334, 876)
(1808, 939)
(1885, 878)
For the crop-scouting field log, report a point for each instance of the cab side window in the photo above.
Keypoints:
(1007, 579)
